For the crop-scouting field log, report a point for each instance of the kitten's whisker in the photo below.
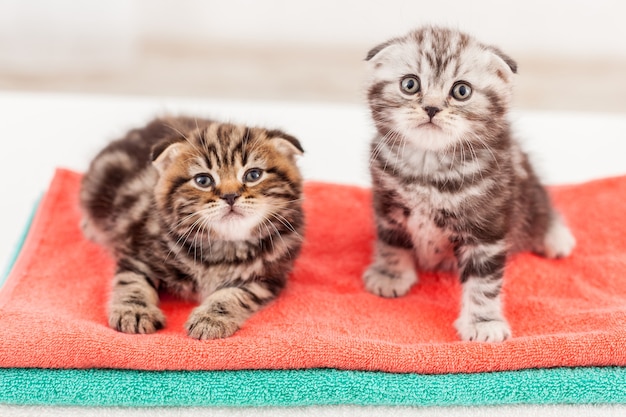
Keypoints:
(206, 228)
(453, 160)
(181, 237)
(186, 138)
(264, 222)
(285, 223)
(488, 148)
(382, 143)
(196, 225)
(208, 237)
(285, 203)
(402, 151)
(477, 161)
(463, 159)
(172, 127)
(388, 141)
(280, 236)
(256, 141)
(199, 236)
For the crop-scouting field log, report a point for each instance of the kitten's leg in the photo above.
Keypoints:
(133, 307)
(223, 312)
(392, 273)
(558, 241)
(482, 268)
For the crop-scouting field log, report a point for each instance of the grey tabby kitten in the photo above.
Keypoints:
(205, 210)
(452, 188)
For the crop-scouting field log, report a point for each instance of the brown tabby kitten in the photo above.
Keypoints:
(452, 188)
(202, 209)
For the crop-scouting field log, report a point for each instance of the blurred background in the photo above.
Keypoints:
(572, 54)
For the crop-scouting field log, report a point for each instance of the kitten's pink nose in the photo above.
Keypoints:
(230, 198)
(431, 111)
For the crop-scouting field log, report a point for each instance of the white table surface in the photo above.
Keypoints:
(44, 131)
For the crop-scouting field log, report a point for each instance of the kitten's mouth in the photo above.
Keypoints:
(429, 125)
(232, 214)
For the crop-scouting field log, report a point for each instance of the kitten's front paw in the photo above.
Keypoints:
(136, 319)
(204, 325)
(384, 282)
(483, 331)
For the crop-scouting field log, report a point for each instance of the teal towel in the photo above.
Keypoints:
(98, 387)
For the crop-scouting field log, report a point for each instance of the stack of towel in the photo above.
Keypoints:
(325, 340)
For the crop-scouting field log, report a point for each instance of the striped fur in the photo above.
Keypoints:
(205, 210)
(452, 188)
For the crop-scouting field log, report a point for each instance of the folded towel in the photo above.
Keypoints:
(563, 313)
(110, 387)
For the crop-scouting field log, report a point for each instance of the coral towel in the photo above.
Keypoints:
(569, 312)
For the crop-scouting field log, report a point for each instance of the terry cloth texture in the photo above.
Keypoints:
(563, 313)
(106, 387)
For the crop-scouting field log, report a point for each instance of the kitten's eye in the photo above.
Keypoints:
(461, 91)
(252, 175)
(410, 84)
(204, 180)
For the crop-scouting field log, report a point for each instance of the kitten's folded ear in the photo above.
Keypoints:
(285, 144)
(377, 49)
(507, 59)
(164, 152)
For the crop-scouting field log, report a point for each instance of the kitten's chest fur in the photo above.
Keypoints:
(431, 244)
(439, 195)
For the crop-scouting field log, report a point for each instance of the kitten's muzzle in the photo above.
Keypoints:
(431, 111)
(230, 198)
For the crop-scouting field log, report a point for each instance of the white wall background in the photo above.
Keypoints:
(46, 34)
(572, 27)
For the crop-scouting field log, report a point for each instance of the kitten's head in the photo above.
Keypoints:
(437, 87)
(228, 182)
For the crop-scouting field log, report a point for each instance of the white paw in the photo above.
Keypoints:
(483, 331)
(385, 282)
(559, 241)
